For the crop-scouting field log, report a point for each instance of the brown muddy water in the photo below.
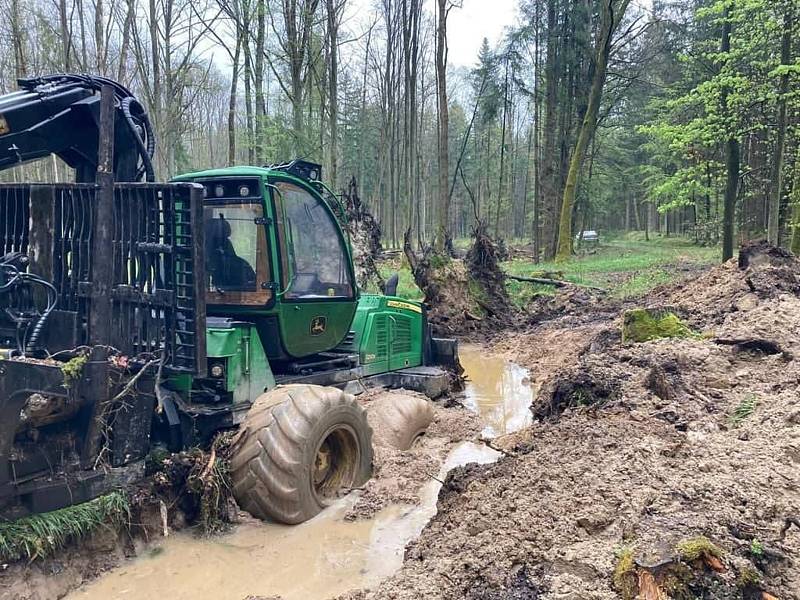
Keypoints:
(499, 390)
(327, 555)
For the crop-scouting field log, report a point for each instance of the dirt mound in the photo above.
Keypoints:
(667, 468)
(462, 295)
(761, 273)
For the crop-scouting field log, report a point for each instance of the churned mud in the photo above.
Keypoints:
(665, 469)
(355, 544)
(585, 469)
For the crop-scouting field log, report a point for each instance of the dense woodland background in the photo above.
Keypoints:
(677, 116)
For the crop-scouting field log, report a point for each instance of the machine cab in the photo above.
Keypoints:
(276, 256)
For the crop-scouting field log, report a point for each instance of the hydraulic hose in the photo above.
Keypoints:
(30, 346)
(144, 150)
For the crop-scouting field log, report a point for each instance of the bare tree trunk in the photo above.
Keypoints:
(99, 38)
(232, 101)
(611, 15)
(776, 181)
(18, 40)
(732, 160)
(443, 225)
(125, 44)
(501, 187)
(332, 8)
(549, 189)
(258, 82)
(248, 87)
(66, 35)
(82, 23)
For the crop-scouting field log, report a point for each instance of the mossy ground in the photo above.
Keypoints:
(625, 580)
(698, 548)
(644, 325)
(73, 368)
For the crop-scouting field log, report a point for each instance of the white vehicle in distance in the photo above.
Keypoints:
(588, 238)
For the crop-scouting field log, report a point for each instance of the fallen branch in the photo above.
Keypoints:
(491, 446)
(555, 282)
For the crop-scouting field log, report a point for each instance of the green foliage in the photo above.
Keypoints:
(41, 535)
(73, 368)
(717, 95)
(756, 548)
(744, 409)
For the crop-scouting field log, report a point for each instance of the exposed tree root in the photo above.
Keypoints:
(365, 238)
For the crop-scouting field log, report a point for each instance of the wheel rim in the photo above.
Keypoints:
(335, 463)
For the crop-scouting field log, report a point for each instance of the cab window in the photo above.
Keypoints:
(315, 259)
(235, 253)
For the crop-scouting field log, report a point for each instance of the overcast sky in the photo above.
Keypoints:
(478, 19)
(467, 26)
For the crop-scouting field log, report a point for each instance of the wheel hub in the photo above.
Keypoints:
(322, 463)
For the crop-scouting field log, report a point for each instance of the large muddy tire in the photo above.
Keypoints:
(400, 419)
(299, 448)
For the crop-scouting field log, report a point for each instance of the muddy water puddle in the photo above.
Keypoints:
(326, 556)
(499, 390)
(319, 559)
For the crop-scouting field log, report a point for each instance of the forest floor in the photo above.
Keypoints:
(626, 265)
(667, 469)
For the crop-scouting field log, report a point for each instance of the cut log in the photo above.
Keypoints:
(555, 282)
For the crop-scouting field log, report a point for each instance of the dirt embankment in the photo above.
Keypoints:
(668, 469)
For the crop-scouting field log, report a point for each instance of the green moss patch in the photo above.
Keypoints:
(645, 324)
(698, 548)
(39, 536)
(73, 368)
(625, 580)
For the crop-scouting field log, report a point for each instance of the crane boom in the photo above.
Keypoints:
(60, 114)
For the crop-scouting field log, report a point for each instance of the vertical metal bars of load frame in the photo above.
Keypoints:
(102, 275)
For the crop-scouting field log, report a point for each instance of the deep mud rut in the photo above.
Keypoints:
(355, 544)
(637, 452)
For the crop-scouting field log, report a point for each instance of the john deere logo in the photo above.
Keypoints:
(318, 325)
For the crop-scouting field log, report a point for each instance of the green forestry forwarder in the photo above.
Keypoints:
(144, 315)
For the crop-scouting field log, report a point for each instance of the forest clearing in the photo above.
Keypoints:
(365, 299)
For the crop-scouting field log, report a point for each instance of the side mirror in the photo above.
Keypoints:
(390, 287)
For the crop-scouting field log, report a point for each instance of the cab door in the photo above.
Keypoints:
(318, 296)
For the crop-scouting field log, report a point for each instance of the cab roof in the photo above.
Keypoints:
(243, 171)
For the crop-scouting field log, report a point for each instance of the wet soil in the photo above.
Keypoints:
(354, 544)
(629, 450)
(636, 450)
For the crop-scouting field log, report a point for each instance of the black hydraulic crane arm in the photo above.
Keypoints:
(60, 114)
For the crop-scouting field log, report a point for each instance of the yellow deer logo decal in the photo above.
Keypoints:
(318, 325)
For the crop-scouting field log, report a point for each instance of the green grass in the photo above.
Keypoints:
(41, 535)
(627, 266)
(744, 409)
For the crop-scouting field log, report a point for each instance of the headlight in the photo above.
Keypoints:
(217, 370)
